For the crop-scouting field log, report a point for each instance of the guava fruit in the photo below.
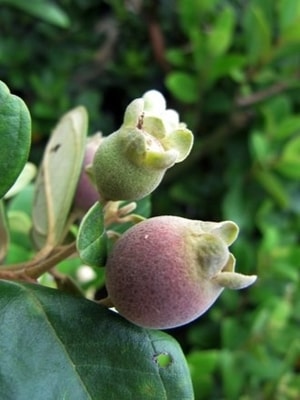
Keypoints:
(167, 271)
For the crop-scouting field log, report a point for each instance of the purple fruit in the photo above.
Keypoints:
(86, 193)
(167, 271)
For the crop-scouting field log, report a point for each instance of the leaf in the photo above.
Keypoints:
(58, 177)
(25, 177)
(15, 137)
(45, 10)
(257, 33)
(221, 35)
(58, 346)
(202, 365)
(273, 185)
(288, 127)
(289, 162)
(91, 238)
(259, 147)
(4, 232)
(183, 86)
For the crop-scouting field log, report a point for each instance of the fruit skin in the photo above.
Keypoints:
(86, 193)
(117, 177)
(131, 162)
(162, 272)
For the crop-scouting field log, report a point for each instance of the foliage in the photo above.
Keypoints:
(232, 69)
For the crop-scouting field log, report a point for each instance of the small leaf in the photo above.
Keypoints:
(183, 86)
(259, 146)
(257, 33)
(272, 184)
(25, 177)
(289, 163)
(58, 177)
(288, 127)
(92, 239)
(220, 37)
(76, 349)
(45, 10)
(15, 137)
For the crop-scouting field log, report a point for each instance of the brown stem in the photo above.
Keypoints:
(261, 95)
(37, 270)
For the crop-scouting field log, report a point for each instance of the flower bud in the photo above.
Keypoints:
(131, 162)
(167, 271)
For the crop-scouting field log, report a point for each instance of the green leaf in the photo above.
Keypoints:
(15, 137)
(289, 19)
(91, 238)
(183, 86)
(273, 185)
(4, 232)
(58, 346)
(257, 33)
(25, 177)
(259, 146)
(289, 162)
(202, 365)
(287, 127)
(228, 64)
(221, 34)
(45, 10)
(58, 177)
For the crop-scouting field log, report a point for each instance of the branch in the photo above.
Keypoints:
(261, 95)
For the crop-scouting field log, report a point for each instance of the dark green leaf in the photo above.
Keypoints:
(15, 137)
(91, 239)
(56, 346)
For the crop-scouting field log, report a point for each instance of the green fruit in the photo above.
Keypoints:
(131, 162)
(167, 271)
(117, 176)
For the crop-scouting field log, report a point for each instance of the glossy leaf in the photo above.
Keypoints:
(91, 239)
(66, 347)
(15, 137)
(58, 177)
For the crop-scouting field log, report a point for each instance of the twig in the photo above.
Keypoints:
(35, 268)
(261, 95)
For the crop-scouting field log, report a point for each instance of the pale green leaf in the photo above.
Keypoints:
(58, 177)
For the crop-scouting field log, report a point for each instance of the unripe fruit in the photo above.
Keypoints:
(131, 162)
(166, 271)
(86, 193)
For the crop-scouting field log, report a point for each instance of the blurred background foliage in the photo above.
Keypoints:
(231, 68)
